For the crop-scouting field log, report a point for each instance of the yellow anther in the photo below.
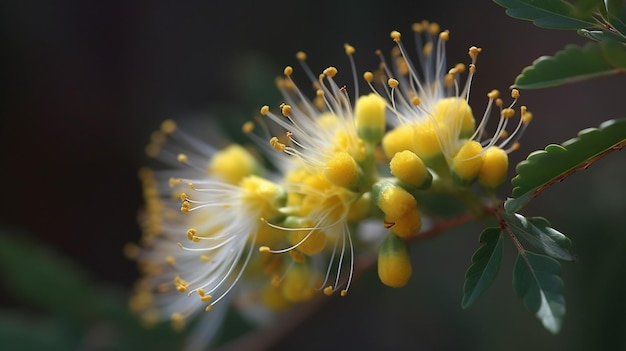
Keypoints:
(434, 28)
(527, 117)
(448, 80)
(460, 67)
(514, 147)
(264, 249)
(473, 52)
(168, 126)
(328, 290)
(428, 48)
(264, 110)
(523, 109)
(247, 127)
(499, 102)
(416, 101)
(170, 260)
(174, 182)
(182, 158)
(183, 197)
(205, 258)
(319, 92)
(185, 207)
(288, 71)
(445, 35)
(277, 145)
(503, 134)
(301, 55)
(349, 49)
(417, 27)
(515, 94)
(191, 233)
(452, 70)
(285, 109)
(368, 76)
(472, 68)
(208, 308)
(508, 113)
(343, 292)
(494, 94)
(191, 185)
(393, 83)
(330, 71)
(395, 35)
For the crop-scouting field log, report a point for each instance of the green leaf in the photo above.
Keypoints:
(544, 167)
(537, 232)
(485, 265)
(553, 14)
(537, 280)
(570, 65)
(40, 277)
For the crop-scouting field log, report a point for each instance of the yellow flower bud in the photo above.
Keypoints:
(398, 139)
(426, 141)
(299, 282)
(408, 224)
(369, 112)
(467, 162)
(394, 201)
(233, 163)
(394, 263)
(342, 170)
(316, 238)
(410, 169)
(494, 168)
(452, 111)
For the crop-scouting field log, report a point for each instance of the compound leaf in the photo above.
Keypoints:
(573, 64)
(544, 167)
(537, 280)
(554, 14)
(485, 265)
(537, 232)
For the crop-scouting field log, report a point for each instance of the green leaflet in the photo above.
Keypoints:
(542, 168)
(554, 14)
(485, 265)
(574, 64)
(537, 280)
(537, 232)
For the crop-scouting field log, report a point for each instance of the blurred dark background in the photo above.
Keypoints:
(86, 82)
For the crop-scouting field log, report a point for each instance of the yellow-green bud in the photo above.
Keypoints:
(369, 113)
(494, 169)
(342, 170)
(467, 162)
(408, 224)
(233, 163)
(316, 238)
(393, 200)
(410, 169)
(398, 139)
(426, 142)
(394, 263)
(451, 111)
(299, 282)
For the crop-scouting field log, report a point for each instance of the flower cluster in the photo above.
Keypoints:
(220, 225)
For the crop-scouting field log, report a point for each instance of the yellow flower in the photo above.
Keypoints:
(430, 102)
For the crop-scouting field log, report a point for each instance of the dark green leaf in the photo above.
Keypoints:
(537, 232)
(544, 167)
(554, 14)
(485, 265)
(537, 280)
(570, 65)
